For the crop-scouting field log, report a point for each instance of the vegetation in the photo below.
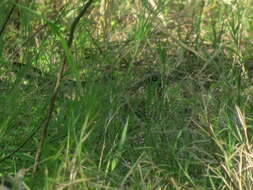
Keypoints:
(152, 94)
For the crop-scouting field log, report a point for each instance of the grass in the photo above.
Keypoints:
(152, 98)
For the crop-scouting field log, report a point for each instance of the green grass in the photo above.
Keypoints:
(152, 98)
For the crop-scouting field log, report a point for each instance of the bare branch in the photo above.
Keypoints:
(57, 86)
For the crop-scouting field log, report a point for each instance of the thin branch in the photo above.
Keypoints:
(57, 86)
(45, 123)
(7, 19)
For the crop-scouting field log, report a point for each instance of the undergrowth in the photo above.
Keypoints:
(154, 96)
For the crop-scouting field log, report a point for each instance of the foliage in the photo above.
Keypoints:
(155, 94)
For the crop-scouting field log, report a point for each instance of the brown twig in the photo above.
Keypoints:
(57, 86)
(44, 121)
